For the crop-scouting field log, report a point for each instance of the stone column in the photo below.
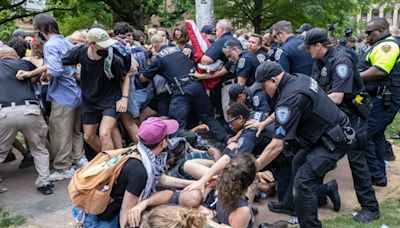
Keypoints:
(369, 16)
(381, 11)
(396, 17)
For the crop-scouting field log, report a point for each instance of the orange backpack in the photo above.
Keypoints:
(91, 185)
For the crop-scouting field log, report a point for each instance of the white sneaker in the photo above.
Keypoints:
(67, 174)
(80, 163)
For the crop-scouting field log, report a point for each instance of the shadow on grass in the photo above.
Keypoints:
(390, 211)
(7, 219)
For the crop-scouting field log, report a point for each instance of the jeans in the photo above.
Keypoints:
(91, 221)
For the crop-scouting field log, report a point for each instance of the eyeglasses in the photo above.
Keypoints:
(230, 122)
(370, 32)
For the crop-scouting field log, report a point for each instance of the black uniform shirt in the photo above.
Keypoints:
(245, 67)
(261, 55)
(288, 113)
(12, 89)
(215, 50)
(169, 63)
(294, 60)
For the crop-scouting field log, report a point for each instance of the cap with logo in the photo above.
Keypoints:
(100, 37)
(304, 28)
(234, 91)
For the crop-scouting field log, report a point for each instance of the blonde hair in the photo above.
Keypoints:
(77, 37)
(173, 217)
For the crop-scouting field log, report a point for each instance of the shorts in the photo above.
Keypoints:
(175, 198)
(93, 116)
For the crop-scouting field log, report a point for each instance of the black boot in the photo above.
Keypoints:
(279, 207)
(26, 162)
(333, 194)
(366, 216)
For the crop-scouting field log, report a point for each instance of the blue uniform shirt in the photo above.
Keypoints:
(293, 60)
(245, 67)
(215, 50)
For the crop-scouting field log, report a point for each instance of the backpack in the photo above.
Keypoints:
(91, 185)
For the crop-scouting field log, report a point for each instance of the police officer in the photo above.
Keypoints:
(305, 118)
(186, 92)
(336, 73)
(242, 65)
(20, 111)
(255, 47)
(290, 57)
(254, 97)
(381, 74)
(248, 142)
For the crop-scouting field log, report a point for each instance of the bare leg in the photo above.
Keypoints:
(197, 167)
(146, 113)
(90, 136)
(116, 137)
(131, 126)
(106, 126)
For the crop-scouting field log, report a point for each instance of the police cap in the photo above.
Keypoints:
(267, 70)
(304, 28)
(314, 36)
(234, 91)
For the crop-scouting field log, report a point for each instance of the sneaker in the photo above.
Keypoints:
(379, 182)
(67, 174)
(80, 163)
(26, 162)
(333, 194)
(3, 189)
(366, 216)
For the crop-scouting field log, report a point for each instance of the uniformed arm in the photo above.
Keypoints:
(156, 199)
(284, 61)
(152, 70)
(270, 152)
(169, 181)
(382, 58)
(217, 74)
(128, 202)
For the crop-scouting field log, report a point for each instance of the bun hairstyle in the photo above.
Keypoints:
(234, 180)
(173, 217)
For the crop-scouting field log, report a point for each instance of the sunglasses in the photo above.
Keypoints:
(370, 31)
(230, 122)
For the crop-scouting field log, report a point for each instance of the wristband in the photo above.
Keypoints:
(124, 96)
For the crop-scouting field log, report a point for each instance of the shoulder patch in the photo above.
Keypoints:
(324, 72)
(386, 48)
(240, 142)
(280, 131)
(256, 101)
(313, 85)
(278, 54)
(261, 58)
(241, 62)
(342, 70)
(282, 114)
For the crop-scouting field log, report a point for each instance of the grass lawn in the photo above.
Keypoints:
(390, 211)
(7, 219)
(393, 129)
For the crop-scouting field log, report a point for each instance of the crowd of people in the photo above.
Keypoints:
(215, 128)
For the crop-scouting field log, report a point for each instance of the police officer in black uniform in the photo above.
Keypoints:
(336, 73)
(254, 97)
(248, 142)
(186, 92)
(306, 119)
(256, 47)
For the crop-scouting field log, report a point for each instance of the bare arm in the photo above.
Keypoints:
(169, 181)
(336, 97)
(240, 217)
(128, 202)
(21, 74)
(242, 80)
(371, 74)
(271, 151)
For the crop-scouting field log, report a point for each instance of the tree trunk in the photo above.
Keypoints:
(257, 19)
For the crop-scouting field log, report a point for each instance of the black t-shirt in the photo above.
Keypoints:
(133, 178)
(12, 89)
(98, 91)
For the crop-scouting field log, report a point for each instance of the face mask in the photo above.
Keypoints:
(102, 53)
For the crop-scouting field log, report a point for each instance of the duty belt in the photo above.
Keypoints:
(26, 102)
(228, 82)
(179, 83)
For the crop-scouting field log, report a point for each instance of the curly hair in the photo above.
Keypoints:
(122, 28)
(37, 47)
(238, 109)
(173, 217)
(234, 180)
(175, 155)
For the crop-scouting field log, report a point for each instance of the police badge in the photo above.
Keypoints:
(282, 114)
(241, 62)
(256, 101)
(261, 58)
(342, 70)
(324, 72)
(278, 54)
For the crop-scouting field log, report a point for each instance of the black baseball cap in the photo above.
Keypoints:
(208, 29)
(234, 91)
(313, 36)
(304, 27)
(267, 70)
